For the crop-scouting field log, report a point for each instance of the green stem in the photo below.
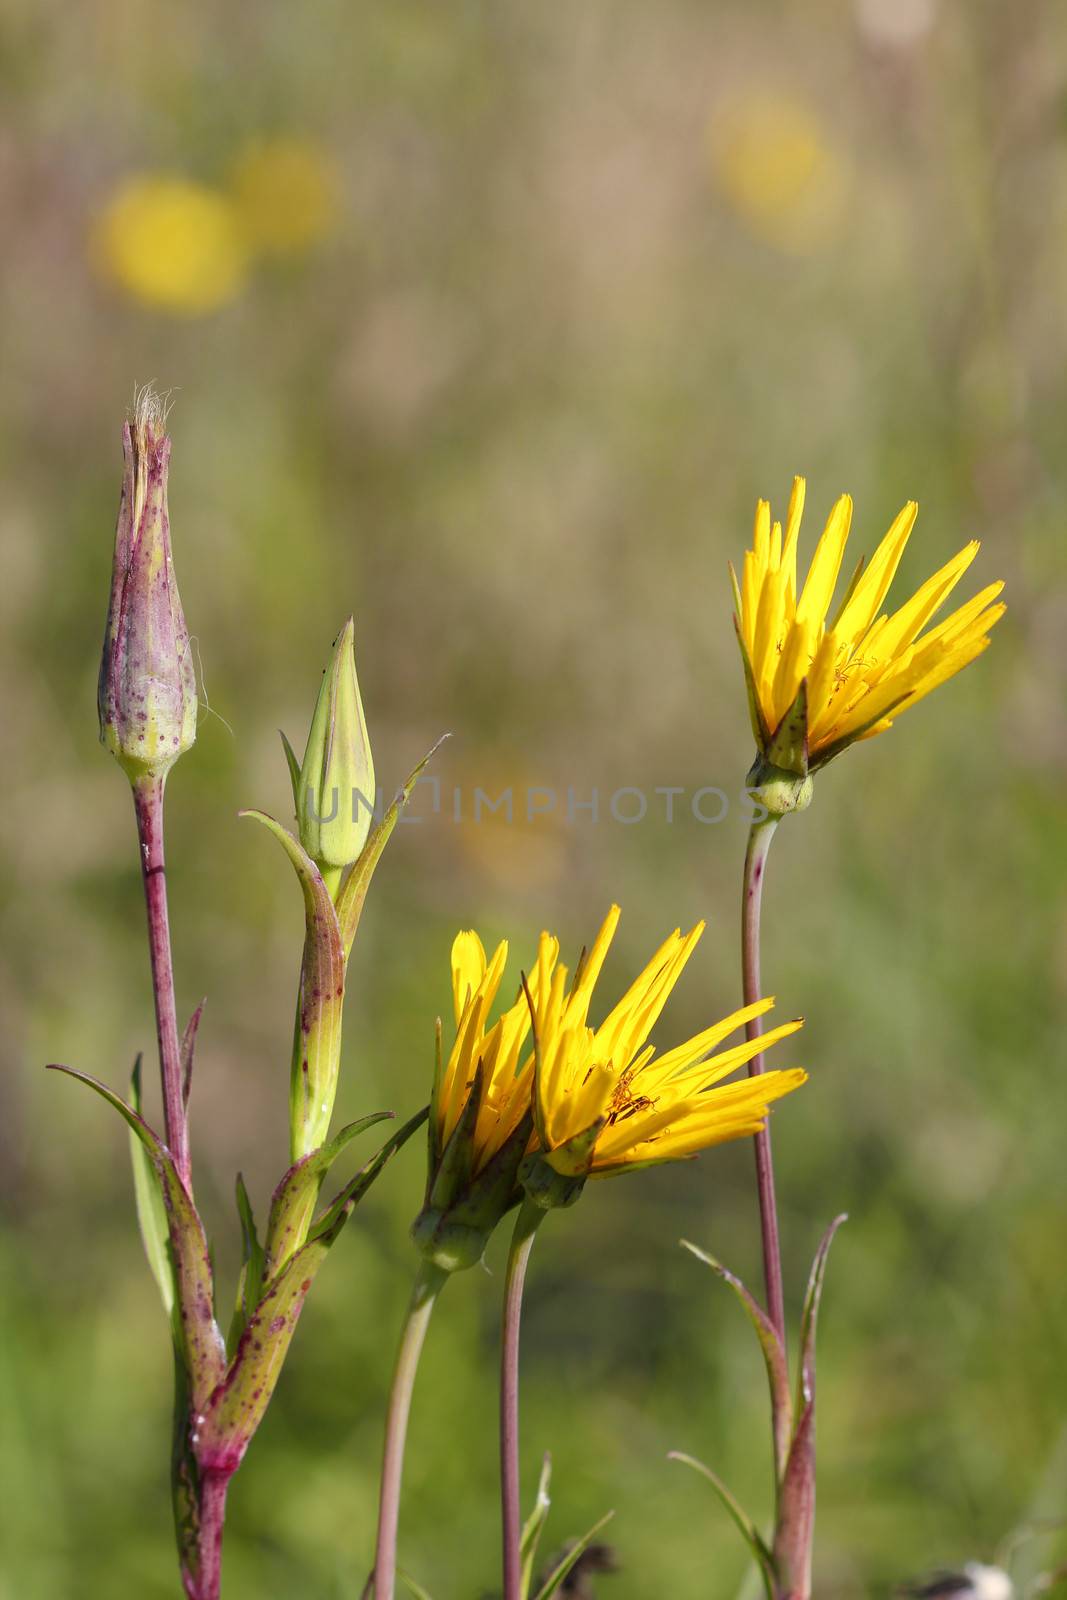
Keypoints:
(428, 1284)
(527, 1223)
(759, 843)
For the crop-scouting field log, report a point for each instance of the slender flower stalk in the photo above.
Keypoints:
(148, 805)
(527, 1223)
(759, 844)
(428, 1285)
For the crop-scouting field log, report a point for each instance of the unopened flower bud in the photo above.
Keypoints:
(335, 793)
(147, 691)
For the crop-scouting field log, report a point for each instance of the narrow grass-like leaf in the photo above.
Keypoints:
(533, 1527)
(559, 1573)
(354, 890)
(810, 1316)
(294, 1200)
(151, 1211)
(201, 1340)
(773, 1355)
(250, 1282)
(294, 768)
(317, 1033)
(188, 1049)
(744, 1523)
(411, 1586)
(332, 1220)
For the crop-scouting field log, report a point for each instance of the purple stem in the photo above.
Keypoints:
(148, 804)
(526, 1225)
(213, 1487)
(759, 843)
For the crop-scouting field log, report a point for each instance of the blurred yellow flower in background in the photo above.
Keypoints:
(287, 193)
(774, 162)
(171, 243)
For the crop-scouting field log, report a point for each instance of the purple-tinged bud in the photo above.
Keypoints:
(147, 691)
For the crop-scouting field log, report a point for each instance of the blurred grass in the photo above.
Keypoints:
(514, 409)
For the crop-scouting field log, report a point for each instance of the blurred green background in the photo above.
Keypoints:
(489, 322)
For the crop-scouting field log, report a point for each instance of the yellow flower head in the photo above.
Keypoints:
(778, 168)
(580, 1101)
(603, 1102)
(505, 1084)
(287, 193)
(817, 682)
(175, 245)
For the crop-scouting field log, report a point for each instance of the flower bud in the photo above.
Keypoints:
(147, 691)
(335, 792)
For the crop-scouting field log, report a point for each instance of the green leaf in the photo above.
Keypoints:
(317, 1032)
(747, 1528)
(559, 1573)
(249, 1284)
(788, 747)
(294, 1200)
(773, 1355)
(237, 1406)
(354, 892)
(534, 1525)
(330, 1222)
(810, 1316)
(294, 768)
(151, 1212)
(201, 1341)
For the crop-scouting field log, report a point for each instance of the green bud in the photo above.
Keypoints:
(779, 792)
(147, 691)
(335, 791)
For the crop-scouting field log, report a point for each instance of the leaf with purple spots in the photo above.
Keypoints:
(317, 1032)
(238, 1405)
(200, 1338)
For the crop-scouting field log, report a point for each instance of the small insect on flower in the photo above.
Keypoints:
(818, 682)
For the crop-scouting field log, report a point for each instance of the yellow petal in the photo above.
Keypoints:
(873, 585)
(902, 627)
(468, 968)
(826, 564)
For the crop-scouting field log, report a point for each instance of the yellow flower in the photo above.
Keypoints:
(173, 244)
(286, 191)
(603, 1102)
(588, 1102)
(506, 1082)
(864, 666)
(776, 166)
